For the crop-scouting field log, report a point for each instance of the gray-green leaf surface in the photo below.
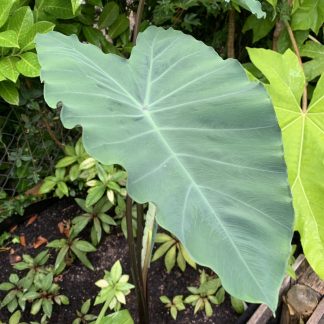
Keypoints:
(197, 138)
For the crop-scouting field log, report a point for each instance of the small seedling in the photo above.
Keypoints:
(290, 270)
(97, 216)
(15, 289)
(14, 318)
(209, 291)
(110, 182)
(79, 168)
(238, 305)
(174, 306)
(114, 287)
(174, 252)
(69, 248)
(43, 294)
(57, 182)
(7, 238)
(35, 265)
(83, 316)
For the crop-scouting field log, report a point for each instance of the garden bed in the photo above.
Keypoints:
(77, 282)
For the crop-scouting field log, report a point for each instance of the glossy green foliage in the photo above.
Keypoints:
(303, 135)
(259, 27)
(17, 55)
(197, 138)
(20, 21)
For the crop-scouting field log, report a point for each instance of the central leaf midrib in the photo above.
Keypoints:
(197, 187)
(186, 172)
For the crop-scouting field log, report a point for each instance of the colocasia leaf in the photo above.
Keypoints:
(181, 120)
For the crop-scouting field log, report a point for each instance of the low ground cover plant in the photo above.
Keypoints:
(70, 248)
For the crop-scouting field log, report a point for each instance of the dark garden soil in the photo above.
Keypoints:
(77, 282)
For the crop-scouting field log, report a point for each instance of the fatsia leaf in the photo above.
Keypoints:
(303, 135)
(177, 116)
(314, 67)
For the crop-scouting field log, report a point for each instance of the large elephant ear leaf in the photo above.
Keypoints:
(196, 137)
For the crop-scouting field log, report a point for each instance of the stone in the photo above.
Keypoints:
(302, 300)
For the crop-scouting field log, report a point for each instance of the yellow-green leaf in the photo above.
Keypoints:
(22, 22)
(9, 92)
(303, 139)
(170, 258)
(28, 65)
(314, 67)
(5, 6)
(40, 27)
(8, 68)
(75, 5)
(9, 38)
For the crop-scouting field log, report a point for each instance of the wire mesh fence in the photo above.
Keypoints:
(30, 144)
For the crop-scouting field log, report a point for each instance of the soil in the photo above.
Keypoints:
(77, 281)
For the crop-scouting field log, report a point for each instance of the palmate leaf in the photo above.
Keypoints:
(197, 138)
(314, 67)
(303, 136)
